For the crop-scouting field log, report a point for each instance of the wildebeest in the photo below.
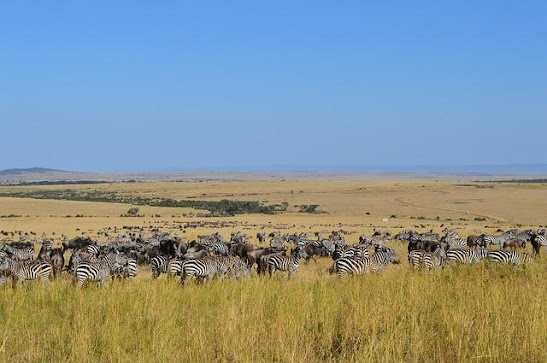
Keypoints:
(57, 260)
(78, 243)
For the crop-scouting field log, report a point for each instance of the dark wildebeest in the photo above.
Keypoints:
(241, 249)
(312, 249)
(57, 260)
(537, 241)
(261, 237)
(45, 250)
(514, 243)
(475, 241)
(78, 243)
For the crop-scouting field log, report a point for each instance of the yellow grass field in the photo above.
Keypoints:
(482, 313)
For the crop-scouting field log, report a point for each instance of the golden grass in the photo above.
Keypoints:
(480, 313)
(483, 313)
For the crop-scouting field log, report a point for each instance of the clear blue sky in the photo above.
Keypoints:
(152, 85)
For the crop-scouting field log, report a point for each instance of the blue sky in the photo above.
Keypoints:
(130, 85)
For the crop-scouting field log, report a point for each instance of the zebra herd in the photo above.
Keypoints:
(431, 252)
(211, 256)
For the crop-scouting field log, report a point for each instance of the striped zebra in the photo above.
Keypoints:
(466, 256)
(159, 266)
(98, 269)
(366, 240)
(21, 271)
(129, 269)
(203, 269)
(262, 265)
(496, 240)
(351, 251)
(285, 263)
(537, 241)
(174, 268)
(453, 239)
(219, 248)
(232, 266)
(428, 260)
(359, 266)
(328, 245)
(19, 254)
(509, 257)
(93, 250)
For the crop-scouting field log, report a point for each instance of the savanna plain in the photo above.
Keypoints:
(472, 313)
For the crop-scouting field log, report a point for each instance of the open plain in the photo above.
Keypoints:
(475, 313)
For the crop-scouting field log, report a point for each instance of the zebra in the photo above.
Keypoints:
(429, 260)
(466, 256)
(453, 239)
(496, 240)
(509, 257)
(98, 270)
(286, 263)
(202, 268)
(366, 240)
(359, 266)
(232, 265)
(328, 245)
(159, 266)
(219, 248)
(174, 268)
(22, 270)
(537, 241)
(129, 269)
(352, 251)
(93, 250)
(384, 255)
(19, 254)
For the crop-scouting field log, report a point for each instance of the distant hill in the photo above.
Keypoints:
(26, 171)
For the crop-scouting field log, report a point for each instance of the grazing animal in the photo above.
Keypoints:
(159, 265)
(475, 241)
(514, 243)
(22, 271)
(361, 265)
(509, 257)
(428, 260)
(98, 270)
(537, 241)
(203, 269)
(261, 237)
(279, 262)
(497, 240)
(174, 268)
(19, 254)
(57, 260)
(466, 256)
(129, 270)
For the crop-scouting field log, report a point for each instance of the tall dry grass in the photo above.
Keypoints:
(484, 313)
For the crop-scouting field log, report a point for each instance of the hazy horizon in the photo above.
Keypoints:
(508, 169)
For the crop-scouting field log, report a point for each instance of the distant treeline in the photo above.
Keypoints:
(222, 208)
(530, 181)
(58, 182)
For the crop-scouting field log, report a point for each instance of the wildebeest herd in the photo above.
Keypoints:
(211, 256)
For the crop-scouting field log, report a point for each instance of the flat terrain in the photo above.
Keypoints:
(473, 313)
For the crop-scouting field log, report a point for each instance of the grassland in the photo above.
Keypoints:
(474, 313)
